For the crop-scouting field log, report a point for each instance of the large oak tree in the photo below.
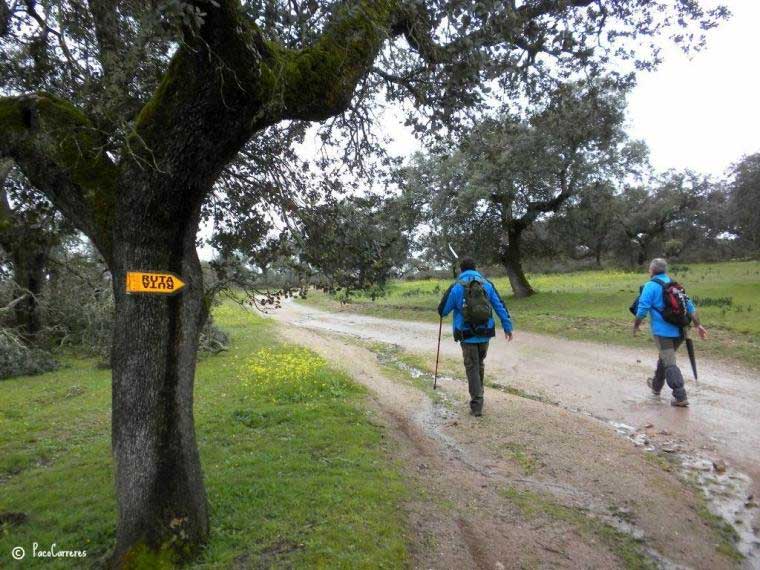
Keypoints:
(508, 173)
(125, 113)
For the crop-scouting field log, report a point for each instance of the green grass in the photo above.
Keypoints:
(296, 473)
(728, 538)
(593, 305)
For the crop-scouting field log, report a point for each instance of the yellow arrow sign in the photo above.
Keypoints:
(154, 282)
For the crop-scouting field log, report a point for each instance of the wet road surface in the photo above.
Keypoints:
(606, 381)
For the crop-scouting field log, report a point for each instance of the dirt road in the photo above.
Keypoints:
(545, 460)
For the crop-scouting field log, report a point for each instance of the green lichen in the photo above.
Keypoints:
(224, 61)
(318, 81)
(78, 149)
(44, 125)
(312, 83)
(11, 116)
(148, 112)
(76, 146)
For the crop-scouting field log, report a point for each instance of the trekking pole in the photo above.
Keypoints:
(437, 353)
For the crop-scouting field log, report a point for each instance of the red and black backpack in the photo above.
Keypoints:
(676, 303)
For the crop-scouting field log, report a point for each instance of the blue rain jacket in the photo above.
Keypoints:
(453, 300)
(652, 303)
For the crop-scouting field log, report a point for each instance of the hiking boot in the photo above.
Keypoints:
(476, 413)
(679, 403)
(650, 383)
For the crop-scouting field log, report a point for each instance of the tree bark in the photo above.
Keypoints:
(598, 250)
(28, 248)
(159, 483)
(29, 274)
(643, 253)
(512, 261)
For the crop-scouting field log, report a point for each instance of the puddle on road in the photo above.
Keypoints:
(728, 492)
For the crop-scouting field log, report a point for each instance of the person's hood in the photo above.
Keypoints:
(470, 274)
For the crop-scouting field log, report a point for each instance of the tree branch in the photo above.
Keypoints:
(318, 82)
(507, 26)
(15, 302)
(106, 22)
(228, 81)
(61, 154)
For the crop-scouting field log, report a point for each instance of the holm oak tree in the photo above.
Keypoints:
(124, 114)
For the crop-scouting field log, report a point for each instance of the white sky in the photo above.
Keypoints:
(704, 113)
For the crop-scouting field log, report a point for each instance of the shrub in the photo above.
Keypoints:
(17, 359)
(79, 317)
(213, 340)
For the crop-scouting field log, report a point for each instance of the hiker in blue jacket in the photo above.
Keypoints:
(474, 325)
(667, 337)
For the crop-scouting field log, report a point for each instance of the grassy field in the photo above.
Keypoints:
(297, 475)
(593, 305)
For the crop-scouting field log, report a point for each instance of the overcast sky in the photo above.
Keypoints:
(704, 113)
(701, 113)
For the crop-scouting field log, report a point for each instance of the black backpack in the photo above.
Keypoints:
(476, 309)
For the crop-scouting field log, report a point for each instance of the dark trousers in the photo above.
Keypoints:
(667, 369)
(474, 357)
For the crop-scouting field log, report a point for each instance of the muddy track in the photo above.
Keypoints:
(533, 483)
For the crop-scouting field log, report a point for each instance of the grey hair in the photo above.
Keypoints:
(658, 265)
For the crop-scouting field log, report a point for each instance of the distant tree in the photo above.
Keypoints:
(29, 230)
(745, 199)
(706, 233)
(648, 214)
(585, 228)
(508, 173)
(443, 217)
(356, 243)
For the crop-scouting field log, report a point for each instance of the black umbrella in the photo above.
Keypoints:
(692, 358)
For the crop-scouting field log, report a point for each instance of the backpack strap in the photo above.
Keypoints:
(664, 286)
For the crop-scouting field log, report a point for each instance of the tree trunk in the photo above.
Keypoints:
(598, 253)
(641, 257)
(512, 261)
(159, 484)
(29, 274)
